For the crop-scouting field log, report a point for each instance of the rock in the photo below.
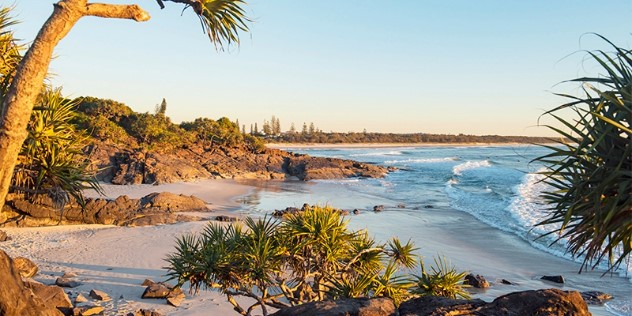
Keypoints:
(3, 236)
(148, 282)
(53, 296)
(428, 206)
(553, 278)
(380, 306)
(25, 267)
(356, 211)
(15, 298)
(477, 281)
(99, 295)
(176, 299)
(156, 290)
(80, 299)
(145, 312)
(173, 202)
(225, 218)
(595, 297)
(88, 310)
(69, 275)
(436, 305)
(378, 208)
(401, 205)
(504, 281)
(537, 302)
(64, 282)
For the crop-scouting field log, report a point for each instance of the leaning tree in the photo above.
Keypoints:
(221, 19)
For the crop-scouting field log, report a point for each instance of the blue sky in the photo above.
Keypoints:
(474, 67)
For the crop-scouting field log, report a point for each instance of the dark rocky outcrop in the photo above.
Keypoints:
(553, 278)
(477, 281)
(15, 298)
(153, 209)
(595, 297)
(435, 306)
(537, 302)
(120, 165)
(346, 307)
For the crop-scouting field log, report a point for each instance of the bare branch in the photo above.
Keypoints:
(132, 12)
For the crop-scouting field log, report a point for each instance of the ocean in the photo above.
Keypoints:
(476, 205)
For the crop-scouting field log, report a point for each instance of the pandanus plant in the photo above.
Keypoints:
(590, 170)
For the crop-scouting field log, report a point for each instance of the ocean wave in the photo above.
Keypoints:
(422, 160)
(379, 154)
(528, 209)
(469, 165)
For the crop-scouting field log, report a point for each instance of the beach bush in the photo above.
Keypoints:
(443, 280)
(51, 161)
(309, 256)
(590, 170)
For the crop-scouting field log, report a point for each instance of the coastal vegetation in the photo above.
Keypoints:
(221, 20)
(309, 256)
(591, 172)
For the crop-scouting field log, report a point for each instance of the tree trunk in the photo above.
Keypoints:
(29, 77)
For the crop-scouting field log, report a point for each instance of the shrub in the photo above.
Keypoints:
(310, 256)
(591, 172)
(51, 161)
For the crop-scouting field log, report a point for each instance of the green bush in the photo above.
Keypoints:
(310, 256)
(590, 172)
(51, 161)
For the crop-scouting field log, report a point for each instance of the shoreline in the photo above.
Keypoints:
(116, 260)
(388, 145)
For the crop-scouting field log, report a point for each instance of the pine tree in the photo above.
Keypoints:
(292, 128)
(312, 128)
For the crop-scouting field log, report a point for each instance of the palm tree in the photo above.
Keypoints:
(591, 170)
(222, 21)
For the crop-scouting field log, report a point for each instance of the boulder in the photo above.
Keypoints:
(507, 282)
(553, 278)
(380, 306)
(99, 295)
(15, 298)
(88, 310)
(25, 267)
(65, 282)
(170, 202)
(224, 218)
(537, 302)
(80, 299)
(175, 299)
(145, 312)
(53, 296)
(3, 236)
(477, 281)
(147, 282)
(156, 290)
(378, 208)
(595, 297)
(436, 306)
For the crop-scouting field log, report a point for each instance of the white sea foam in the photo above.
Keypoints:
(528, 209)
(422, 160)
(469, 165)
(379, 154)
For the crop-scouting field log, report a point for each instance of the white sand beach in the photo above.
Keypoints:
(116, 260)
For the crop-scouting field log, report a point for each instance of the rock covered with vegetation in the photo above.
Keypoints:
(133, 148)
(153, 209)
